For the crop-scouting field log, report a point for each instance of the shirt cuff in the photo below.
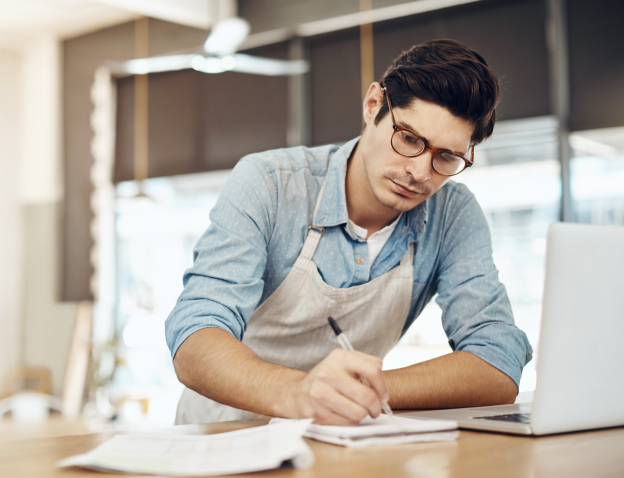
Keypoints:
(511, 364)
(184, 334)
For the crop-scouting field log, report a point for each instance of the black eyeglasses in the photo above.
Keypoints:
(407, 143)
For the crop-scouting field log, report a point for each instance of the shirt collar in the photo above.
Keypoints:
(332, 208)
(417, 219)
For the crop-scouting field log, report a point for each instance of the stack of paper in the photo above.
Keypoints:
(383, 430)
(242, 451)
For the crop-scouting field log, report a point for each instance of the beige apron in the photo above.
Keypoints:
(290, 328)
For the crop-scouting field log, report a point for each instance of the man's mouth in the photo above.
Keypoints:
(403, 191)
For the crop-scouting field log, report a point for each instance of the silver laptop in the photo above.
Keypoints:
(580, 359)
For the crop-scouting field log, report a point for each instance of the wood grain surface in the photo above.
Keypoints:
(480, 455)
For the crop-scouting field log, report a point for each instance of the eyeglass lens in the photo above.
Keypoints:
(444, 162)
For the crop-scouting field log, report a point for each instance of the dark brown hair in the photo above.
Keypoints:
(449, 74)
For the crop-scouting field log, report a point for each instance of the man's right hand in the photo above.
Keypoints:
(332, 392)
(217, 365)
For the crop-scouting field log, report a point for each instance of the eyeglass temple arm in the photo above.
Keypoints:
(385, 90)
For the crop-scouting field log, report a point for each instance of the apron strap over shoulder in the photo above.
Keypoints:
(318, 201)
(311, 242)
(314, 232)
(407, 262)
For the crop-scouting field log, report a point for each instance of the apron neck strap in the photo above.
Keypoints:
(407, 261)
(311, 242)
(318, 202)
(314, 232)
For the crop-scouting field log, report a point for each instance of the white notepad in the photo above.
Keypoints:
(383, 430)
(253, 449)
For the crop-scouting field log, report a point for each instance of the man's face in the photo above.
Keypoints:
(398, 182)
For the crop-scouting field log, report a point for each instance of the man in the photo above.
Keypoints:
(366, 233)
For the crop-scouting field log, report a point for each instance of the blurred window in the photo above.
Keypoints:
(155, 239)
(597, 176)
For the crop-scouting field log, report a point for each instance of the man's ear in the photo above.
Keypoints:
(373, 101)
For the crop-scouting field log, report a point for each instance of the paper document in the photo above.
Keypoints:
(383, 430)
(253, 449)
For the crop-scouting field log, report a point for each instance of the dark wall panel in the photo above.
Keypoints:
(124, 124)
(173, 122)
(510, 35)
(596, 47)
(202, 122)
(335, 91)
(241, 114)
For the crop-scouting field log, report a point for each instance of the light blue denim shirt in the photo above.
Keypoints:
(259, 225)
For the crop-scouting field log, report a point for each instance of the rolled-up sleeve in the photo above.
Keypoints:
(476, 312)
(224, 285)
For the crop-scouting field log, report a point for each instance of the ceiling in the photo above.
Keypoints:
(22, 20)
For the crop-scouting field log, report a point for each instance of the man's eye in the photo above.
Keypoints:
(449, 157)
(410, 138)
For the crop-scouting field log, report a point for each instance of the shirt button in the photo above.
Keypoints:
(360, 261)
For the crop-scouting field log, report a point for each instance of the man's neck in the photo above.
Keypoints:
(363, 207)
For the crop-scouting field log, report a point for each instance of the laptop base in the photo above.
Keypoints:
(466, 418)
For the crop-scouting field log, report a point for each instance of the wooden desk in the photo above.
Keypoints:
(479, 455)
(54, 427)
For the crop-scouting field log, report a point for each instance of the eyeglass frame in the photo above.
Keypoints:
(435, 151)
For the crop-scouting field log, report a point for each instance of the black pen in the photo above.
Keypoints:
(345, 344)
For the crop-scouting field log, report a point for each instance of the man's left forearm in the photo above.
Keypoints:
(456, 380)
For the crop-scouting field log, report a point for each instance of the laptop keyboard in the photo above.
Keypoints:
(511, 417)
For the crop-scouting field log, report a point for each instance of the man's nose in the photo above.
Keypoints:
(419, 167)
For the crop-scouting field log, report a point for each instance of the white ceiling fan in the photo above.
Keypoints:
(219, 56)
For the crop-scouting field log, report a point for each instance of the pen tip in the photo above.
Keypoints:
(334, 325)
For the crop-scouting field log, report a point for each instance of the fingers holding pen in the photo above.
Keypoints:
(363, 365)
(335, 384)
(354, 366)
(369, 367)
(336, 408)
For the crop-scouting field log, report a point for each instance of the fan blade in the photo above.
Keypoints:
(156, 64)
(212, 64)
(249, 64)
(226, 36)
(268, 66)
